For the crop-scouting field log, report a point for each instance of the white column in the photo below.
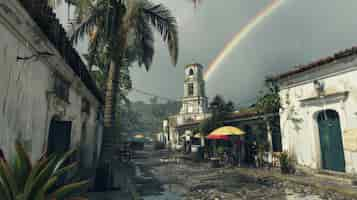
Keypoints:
(270, 139)
(202, 140)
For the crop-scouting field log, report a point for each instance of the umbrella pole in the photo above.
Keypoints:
(214, 148)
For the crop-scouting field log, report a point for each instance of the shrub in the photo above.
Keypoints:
(287, 163)
(220, 150)
(39, 181)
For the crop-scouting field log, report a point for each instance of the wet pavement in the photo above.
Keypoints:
(160, 175)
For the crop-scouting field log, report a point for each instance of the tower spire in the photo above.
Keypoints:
(194, 102)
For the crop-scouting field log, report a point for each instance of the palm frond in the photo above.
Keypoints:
(88, 21)
(162, 19)
(144, 42)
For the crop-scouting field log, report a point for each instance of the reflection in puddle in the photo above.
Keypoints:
(164, 196)
(171, 192)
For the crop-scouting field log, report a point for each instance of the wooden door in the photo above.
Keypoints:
(332, 155)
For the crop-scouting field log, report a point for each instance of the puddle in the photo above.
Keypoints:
(164, 196)
(138, 171)
(168, 191)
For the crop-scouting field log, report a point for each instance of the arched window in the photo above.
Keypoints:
(2, 155)
(190, 89)
(190, 72)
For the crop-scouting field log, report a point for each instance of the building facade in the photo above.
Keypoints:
(194, 102)
(319, 112)
(48, 100)
(194, 107)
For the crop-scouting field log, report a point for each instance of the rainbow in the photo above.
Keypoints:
(240, 36)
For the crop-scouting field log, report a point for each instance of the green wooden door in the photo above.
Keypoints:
(332, 155)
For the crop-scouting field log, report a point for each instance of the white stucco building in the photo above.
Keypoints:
(194, 102)
(48, 100)
(319, 112)
(194, 107)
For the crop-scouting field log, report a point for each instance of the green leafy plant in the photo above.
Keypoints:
(287, 163)
(261, 149)
(220, 150)
(39, 181)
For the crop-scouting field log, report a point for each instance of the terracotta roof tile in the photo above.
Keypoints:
(318, 63)
(46, 19)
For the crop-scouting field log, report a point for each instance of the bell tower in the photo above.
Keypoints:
(194, 102)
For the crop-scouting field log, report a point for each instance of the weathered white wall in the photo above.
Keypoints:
(300, 102)
(23, 87)
(26, 108)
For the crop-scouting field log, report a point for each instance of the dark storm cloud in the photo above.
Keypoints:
(203, 33)
(298, 32)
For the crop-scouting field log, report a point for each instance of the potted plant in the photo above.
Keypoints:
(287, 163)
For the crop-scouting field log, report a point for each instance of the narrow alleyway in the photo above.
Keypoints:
(161, 175)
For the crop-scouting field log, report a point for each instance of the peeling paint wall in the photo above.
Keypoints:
(23, 102)
(301, 104)
(26, 106)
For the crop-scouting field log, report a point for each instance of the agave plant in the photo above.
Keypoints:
(39, 181)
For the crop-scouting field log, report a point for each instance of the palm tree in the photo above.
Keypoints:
(123, 31)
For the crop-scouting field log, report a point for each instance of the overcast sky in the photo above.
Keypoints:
(298, 32)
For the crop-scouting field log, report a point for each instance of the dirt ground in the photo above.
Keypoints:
(168, 176)
(163, 175)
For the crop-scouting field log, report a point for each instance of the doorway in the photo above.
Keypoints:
(332, 154)
(59, 137)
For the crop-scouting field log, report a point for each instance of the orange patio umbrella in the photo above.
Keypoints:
(140, 136)
(223, 133)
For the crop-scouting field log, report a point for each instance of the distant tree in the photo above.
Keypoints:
(219, 110)
(229, 107)
(154, 100)
(218, 103)
(269, 100)
(219, 107)
(130, 119)
(269, 103)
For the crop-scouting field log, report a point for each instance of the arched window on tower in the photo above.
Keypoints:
(190, 72)
(190, 89)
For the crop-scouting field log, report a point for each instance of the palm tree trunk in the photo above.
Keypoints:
(117, 40)
(104, 175)
(111, 92)
(109, 137)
